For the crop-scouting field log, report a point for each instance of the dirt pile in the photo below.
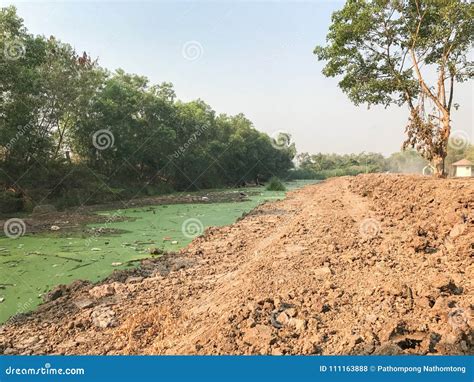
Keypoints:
(376, 264)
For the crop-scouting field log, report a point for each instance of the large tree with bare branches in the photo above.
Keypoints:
(404, 52)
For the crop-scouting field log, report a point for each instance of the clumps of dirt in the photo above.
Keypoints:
(373, 264)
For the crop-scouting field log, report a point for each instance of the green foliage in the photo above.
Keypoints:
(387, 51)
(370, 44)
(10, 202)
(323, 166)
(275, 184)
(55, 102)
(407, 161)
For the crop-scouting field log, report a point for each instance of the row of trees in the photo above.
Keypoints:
(322, 166)
(68, 126)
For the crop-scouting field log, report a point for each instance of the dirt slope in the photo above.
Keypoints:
(376, 264)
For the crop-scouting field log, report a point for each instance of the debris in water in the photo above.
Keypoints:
(116, 264)
(174, 242)
(155, 251)
(95, 249)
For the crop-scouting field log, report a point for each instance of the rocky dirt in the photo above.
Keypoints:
(373, 264)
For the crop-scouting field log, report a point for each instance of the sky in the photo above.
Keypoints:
(239, 57)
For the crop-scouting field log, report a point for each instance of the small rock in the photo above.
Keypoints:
(84, 303)
(457, 230)
(102, 291)
(277, 351)
(103, 317)
(322, 272)
(133, 279)
(371, 318)
(55, 228)
(297, 323)
(258, 334)
(291, 312)
(388, 349)
(282, 318)
(55, 293)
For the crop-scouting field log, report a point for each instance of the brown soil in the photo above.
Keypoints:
(376, 264)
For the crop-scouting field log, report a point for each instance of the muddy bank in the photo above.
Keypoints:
(375, 264)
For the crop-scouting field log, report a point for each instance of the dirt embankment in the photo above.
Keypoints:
(376, 264)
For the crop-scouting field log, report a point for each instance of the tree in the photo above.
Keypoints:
(388, 51)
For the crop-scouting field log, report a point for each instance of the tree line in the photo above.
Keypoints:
(323, 166)
(73, 132)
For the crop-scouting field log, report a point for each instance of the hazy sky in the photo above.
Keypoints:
(249, 57)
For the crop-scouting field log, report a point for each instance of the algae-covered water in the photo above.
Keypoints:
(33, 264)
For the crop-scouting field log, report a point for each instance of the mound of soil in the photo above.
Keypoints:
(373, 264)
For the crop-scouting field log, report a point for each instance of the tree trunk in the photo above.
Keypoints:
(438, 165)
(442, 149)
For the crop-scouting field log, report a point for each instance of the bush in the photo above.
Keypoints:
(10, 202)
(275, 184)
